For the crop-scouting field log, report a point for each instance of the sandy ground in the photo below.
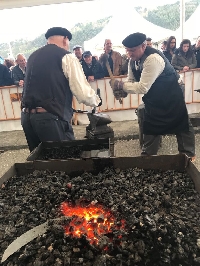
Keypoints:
(122, 149)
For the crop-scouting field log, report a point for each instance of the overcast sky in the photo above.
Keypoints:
(30, 22)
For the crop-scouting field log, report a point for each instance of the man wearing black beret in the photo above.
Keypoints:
(53, 76)
(151, 74)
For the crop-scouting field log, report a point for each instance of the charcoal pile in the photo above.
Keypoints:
(161, 211)
(60, 153)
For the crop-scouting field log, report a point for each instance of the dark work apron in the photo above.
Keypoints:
(165, 108)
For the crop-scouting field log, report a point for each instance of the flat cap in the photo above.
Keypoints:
(134, 40)
(59, 32)
(86, 53)
(76, 46)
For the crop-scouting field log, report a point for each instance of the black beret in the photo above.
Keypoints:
(58, 31)
(134, 40)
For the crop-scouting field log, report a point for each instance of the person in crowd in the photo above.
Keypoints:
(5, 76)
(164, 46)
(124, 68)
(151, 74)
(91, 67)
(149, 42)
(170, 48)
(77, 49)
(18, 72)
(114, 59)
(1, 60)
(96, 56)
(9, 63)
(53, 76)
(196, 50)
(184, 58)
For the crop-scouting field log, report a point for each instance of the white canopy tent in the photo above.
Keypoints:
(4, 4)
(121, 25)
(37, 16)
(190, 28)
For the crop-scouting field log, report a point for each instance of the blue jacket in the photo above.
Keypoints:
(197, 54)
(95, 70)
(5, 76)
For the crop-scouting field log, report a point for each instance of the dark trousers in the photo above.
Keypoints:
(185, 140)
(41, 127)
(151, 143)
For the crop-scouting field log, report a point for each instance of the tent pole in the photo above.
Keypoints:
(182, 18)
(10, 51)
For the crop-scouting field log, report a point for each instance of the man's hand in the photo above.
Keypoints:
(117, 87)
(91, 78)
(186, 68)
(21, 83)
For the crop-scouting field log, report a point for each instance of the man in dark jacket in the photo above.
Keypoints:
(91, 67)
(151, 74)
(18, 72)
(196, 50)
(53, 76)
(5, 77)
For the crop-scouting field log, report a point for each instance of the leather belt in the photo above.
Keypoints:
(35, 111)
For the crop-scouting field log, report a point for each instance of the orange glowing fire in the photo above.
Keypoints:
(92, 222)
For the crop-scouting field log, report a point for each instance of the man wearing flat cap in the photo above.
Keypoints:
(77, 49)
(53, 76)
(151, 74)
(91, 67)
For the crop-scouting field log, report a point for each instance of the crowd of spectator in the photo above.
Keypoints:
(182, 58)
(185, 57)
(13, 72)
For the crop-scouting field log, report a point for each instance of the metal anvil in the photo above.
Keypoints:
(98, 127)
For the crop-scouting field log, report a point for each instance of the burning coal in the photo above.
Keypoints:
(93, 222)
(161, 210)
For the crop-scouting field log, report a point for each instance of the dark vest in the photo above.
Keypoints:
(45, 84)
(165, 108)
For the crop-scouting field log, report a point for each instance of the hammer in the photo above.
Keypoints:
(105, 60)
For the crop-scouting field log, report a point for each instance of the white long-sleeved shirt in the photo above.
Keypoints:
(79, 86)
(153, 66)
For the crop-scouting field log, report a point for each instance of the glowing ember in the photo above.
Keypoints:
(92, 222)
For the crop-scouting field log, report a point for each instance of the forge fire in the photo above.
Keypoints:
(93, 222)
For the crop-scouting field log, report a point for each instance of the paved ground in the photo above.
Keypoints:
(126, 144)
(16, 150)
(13, 140)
